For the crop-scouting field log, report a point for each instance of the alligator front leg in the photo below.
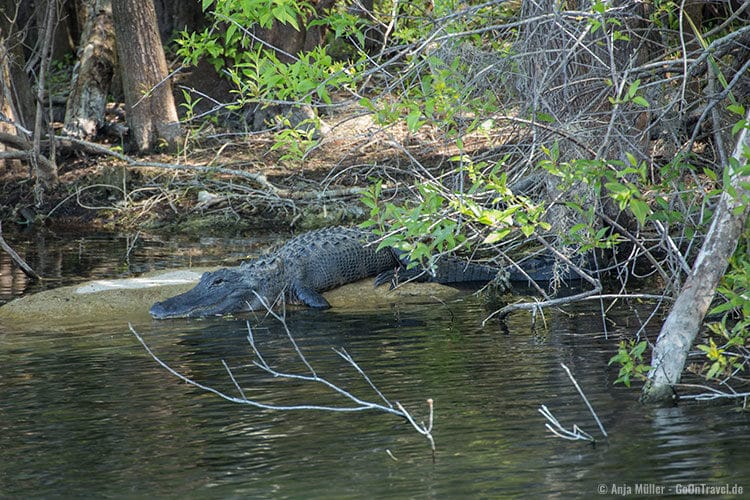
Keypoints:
(309, 296)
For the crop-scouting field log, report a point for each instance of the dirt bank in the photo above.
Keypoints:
(129, 299)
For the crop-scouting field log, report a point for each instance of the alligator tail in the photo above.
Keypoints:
(448, 270)
(452, 270)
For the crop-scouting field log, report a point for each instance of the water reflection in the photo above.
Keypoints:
(62, 257)
(12, 280)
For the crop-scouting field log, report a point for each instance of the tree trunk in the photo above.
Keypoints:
(288, 41)
(92, 76)
(45, 170)
(173, 16)
(685, 318)
(6, 104)
(19, 90)
(149, 104)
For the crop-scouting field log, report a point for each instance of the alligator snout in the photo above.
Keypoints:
(158, 311)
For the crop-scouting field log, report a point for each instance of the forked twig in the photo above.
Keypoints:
(556, 428)
(576, 433)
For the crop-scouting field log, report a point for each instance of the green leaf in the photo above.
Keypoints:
(228, 36)
(617, 189)
(715, 368)
(631, 159)
(496, 236)
(737, 109)
(412, 120)
(544, 117)
(633, 88)
(739, 126)
(726, 306)
(639, 348)
(640, 209)
(641, 101)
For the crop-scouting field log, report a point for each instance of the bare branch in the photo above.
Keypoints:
(27, 270)
(576, 433)
(358, 404)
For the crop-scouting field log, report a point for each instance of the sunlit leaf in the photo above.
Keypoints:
(640, 210)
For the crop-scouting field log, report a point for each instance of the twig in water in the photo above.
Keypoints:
(585, 399)
(712, 393)
(558, 430)
(358, 403)
(576, 433)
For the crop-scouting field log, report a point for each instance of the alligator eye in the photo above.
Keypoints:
(217, 282)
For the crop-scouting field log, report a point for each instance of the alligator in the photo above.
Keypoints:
(307, 265)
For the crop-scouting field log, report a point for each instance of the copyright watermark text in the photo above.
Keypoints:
(626, 489)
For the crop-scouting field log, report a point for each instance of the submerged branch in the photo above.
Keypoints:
(27, 270)
(711, 393)
(590, 295)
(556, 428)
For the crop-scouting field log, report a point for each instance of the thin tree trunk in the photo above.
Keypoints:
(685, 318)
(17, 88)
(6, 103)
(46, 172)
(149, 104)
(92, 76)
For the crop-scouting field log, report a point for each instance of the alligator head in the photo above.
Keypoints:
(220, 292)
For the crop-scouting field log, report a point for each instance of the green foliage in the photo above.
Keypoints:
(431, 224)
(734, 325)
(738, 109)
(617, 179)
(630, 357)
(631, 95)
(295, 142)
(256, 71)
(722, 362)
(261, 76)
(419, 228)
(505, 212)
(438, 98)
(606, 23)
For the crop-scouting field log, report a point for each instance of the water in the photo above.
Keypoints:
(87, 412)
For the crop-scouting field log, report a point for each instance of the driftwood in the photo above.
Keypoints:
(28, 271)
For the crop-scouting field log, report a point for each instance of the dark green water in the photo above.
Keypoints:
(86, 412)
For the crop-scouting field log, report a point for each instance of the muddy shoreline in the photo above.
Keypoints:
(129, 299)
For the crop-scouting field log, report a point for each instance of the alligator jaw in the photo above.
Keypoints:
(161, 311)
(217, 293)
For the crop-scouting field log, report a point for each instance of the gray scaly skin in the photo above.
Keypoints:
(301, 269)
